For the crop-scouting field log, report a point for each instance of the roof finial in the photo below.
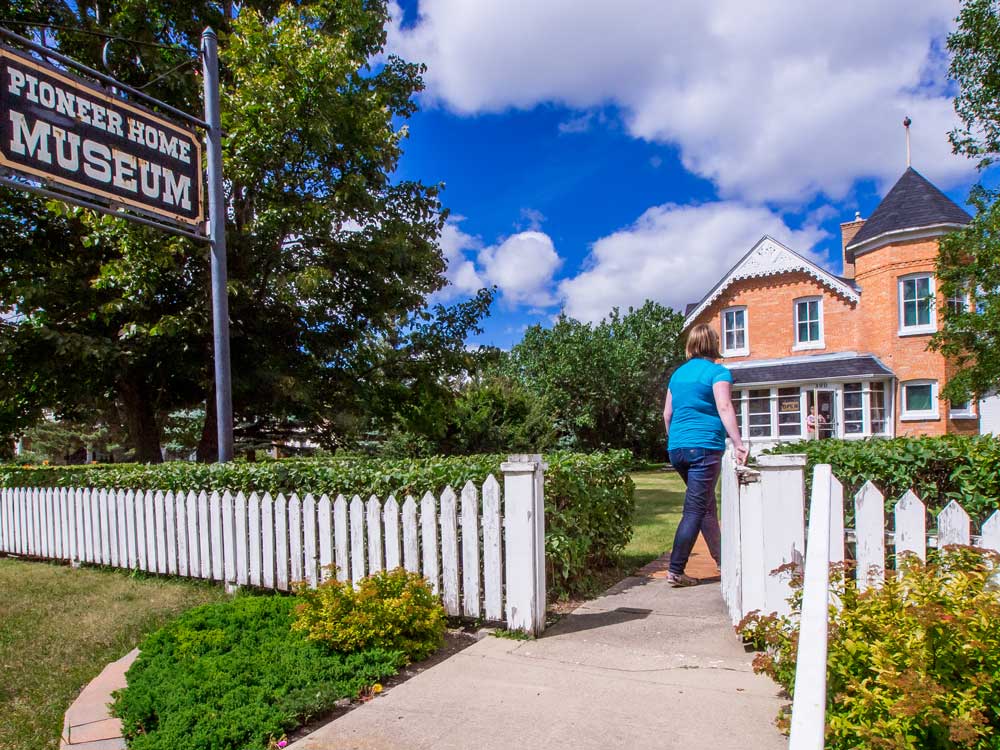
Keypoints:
(857, 216)
(906, 124)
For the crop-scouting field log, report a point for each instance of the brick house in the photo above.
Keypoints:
(817, 355)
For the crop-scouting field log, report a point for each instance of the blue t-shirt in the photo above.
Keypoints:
(695, 422)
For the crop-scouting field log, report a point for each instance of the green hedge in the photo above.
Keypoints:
(589, 503)
(938, 469)
(236, 675)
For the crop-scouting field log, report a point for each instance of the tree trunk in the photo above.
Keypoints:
(208, 446)
(140, 418)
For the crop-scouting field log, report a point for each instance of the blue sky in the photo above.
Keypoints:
(595, 157)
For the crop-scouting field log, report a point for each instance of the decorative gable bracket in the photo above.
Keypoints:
(770, 258)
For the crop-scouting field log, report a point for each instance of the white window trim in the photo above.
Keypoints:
(804, 345)
(745, 350)
(906, 415)
(916, 330)
(969, 412)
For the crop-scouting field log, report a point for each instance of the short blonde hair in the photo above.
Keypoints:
(703, 341)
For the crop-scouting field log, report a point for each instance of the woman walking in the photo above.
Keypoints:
(698, 415)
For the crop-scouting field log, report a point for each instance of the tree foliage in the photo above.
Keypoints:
(969, 261)
(330, 260)
(604, 384)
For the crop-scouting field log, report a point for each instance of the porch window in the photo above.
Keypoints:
(759, 412)
(809, 323)
(734, 332)
(916, 304)
(789, 412)
(920, 400)
(738, 408)
(854, 413)
(876, 408)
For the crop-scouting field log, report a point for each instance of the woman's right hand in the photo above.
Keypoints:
(742, 454)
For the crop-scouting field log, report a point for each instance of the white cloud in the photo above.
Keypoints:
(674, 255)
(772, 101)
(521, 266)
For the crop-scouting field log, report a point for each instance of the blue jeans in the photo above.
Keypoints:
(699, 468)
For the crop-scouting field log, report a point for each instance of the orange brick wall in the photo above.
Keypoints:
(771, 315)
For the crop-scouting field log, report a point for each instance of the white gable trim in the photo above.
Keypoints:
(770, 258)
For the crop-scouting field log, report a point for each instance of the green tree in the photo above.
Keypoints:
(330, 260)
(603, 383)
(968, 266)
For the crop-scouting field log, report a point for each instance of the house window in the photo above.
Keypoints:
(789, 412)
(809, 323)
(854, 412)
(876, 408)
(958, 303)
(920, 400)
(961, 410)
(759, 412)
(734, 332)
(738, 408)
(916, 304)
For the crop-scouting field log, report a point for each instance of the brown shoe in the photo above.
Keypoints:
(680, 580)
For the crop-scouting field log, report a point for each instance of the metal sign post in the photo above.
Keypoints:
(217, 234)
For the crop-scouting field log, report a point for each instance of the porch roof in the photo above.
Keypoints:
(807, 369)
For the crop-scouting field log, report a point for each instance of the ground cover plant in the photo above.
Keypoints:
(914, 665)
(239, 675)
(589, 498)
(59, 627)
(938, 469)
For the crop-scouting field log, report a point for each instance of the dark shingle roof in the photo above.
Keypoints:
(912, 202)
(811, 369)
(690, 308)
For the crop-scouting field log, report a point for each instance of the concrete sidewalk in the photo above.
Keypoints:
(644, 666)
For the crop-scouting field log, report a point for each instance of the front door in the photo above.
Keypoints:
(821, 413)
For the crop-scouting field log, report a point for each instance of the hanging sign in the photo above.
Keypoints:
(65, 130)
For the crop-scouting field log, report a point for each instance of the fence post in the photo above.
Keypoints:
(782, 480)
(524, 527)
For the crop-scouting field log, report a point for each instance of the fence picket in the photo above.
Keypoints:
(471, 589)
(5, 522)
(215, 524)
(43, 524)
(953, 525)
(267, 541)
(837, 538)
(869, 514)
(107, 527)
(254, 534)
(390, 517)
(50, 526)
(24, 522)
(242, 563)
(141, 528)
(340, 537)
(990, 538)
(194, 548)
(911, 526)
(357, 540)
(428, 528)
(170, 515)
(411, 545)
(449, 552)
(324, 526)
(281, 542)
(309, 539)
(121, 514)
(374, 528)
(159, 522)
(492, 550)
(180, 513)
(228, 539)
(55, 548)
(295, 538)
(204, 535)
(92, 528)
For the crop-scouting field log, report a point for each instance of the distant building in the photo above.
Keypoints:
(815, 355)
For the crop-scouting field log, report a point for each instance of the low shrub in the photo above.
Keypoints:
(589, 501)
(235, 675)
(914, 665)
(938, 469)
(393, 609)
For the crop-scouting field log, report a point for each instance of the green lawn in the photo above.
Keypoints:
(59, 627)
(659, 499)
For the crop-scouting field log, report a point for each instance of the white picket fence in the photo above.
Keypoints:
(763, 526)
(482, 550)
